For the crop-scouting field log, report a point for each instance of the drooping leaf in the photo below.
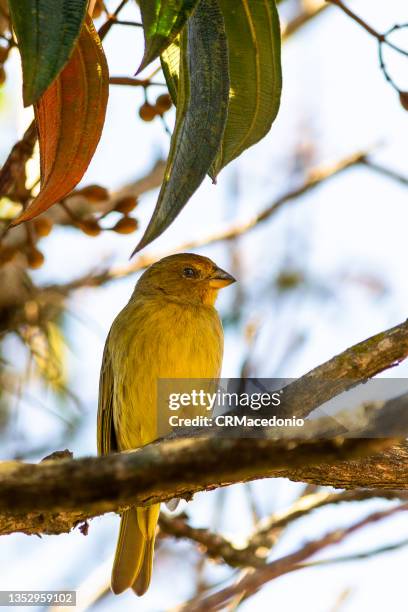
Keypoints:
(46, 32)
(70, 117)
(254, 46)
(162, 21)
(254, 42)
(202, 100)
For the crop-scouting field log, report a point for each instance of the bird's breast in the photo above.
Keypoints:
(152, 341)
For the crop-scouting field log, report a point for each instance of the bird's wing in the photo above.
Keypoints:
(106, 438)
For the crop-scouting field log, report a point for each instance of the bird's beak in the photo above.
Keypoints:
(220, 278)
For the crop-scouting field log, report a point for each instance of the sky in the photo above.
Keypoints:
(347, 238)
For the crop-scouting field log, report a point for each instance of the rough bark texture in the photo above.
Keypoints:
(55, 495)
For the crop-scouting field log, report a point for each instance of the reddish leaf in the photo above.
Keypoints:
(70, 117)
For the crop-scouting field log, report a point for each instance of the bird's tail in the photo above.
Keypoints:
(134, 552)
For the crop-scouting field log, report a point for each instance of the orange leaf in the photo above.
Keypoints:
(70, 117)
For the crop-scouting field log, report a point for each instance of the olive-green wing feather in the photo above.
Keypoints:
(106, 438)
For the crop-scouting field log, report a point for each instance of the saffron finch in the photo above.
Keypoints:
(169, 329)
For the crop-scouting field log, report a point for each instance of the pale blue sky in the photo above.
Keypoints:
(354, 227)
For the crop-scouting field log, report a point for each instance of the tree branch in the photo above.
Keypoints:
(380, 37)
(306, 15)
(252, 581)
(215, 545)
(54, 496)
(384, 171)
(133, 81)
(80, 206)
(354, 365)
(266, 533)
(317, 176)
(19, 155)
(254, 553)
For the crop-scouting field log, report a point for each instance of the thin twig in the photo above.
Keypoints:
(134, 82)
(129, 23)
(316, 177)
(306, 15)
(380, 37)
(19, 155)
(104, 29)
(367, 554)
(251, 582)
(215, 545)
(254, 553)
(268, 530)
(384, 171)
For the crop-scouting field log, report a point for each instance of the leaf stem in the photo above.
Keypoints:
(129, 23)
(380, 37)
(104, 29)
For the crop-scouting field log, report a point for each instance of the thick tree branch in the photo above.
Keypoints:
(354, 365)
(59, 494)
(52, 497)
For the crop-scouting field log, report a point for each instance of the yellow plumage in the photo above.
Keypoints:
(169, 329)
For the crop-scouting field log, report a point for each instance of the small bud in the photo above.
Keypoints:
(403, 96)
(126, 205)
(35, 258)
(94, 193)
(147, 112)
(127, 225)
(2, 75)
(163, 103)
(90, 227)
(42, 226)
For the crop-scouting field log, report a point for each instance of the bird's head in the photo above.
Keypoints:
(185, 277)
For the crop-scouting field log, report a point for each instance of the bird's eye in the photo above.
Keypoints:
(189, 273)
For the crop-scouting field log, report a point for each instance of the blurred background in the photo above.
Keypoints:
(326, 270)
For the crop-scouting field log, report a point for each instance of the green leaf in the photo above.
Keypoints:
(46, 32)
(202, 100)
(254, 46)
(170, 62)
(162, 21)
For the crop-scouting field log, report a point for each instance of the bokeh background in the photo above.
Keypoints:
(327, 270)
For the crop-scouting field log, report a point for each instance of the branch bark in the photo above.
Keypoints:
(55, 495)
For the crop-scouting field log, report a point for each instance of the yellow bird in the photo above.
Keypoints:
(168, 329)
